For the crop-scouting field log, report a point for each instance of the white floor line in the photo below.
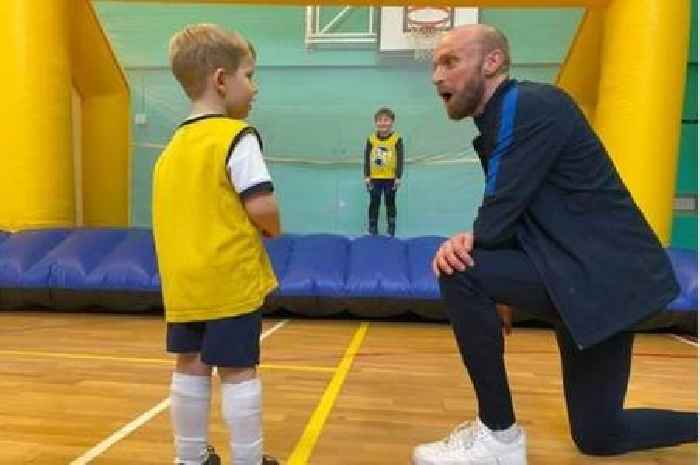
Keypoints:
(123, 432)
(273, 329)
(135, 424)
(678, 338)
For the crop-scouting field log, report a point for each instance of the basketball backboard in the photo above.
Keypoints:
(398, 25)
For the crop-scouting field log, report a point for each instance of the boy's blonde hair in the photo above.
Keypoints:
(200, 49)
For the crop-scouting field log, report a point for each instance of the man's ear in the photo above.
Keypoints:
(493, 61)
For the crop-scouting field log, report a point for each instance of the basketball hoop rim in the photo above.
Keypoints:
(429, 24)
(426, 26)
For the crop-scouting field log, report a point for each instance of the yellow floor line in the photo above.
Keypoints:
(162, 361)
(69, 356)
(271, 366)
(306, 444)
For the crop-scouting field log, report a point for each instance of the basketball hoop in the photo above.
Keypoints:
(424, 39)
(424, 25)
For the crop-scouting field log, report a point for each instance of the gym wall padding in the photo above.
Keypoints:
(79, 268)
(685, 264)
(319, 275)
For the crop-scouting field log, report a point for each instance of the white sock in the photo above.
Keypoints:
(507, 435)
(190, 397)
(240, 409)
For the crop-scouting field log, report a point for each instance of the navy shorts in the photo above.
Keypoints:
(226, 342)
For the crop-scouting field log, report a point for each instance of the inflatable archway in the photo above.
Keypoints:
(51, 50)
(626, 68)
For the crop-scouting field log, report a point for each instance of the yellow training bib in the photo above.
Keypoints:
(382, 158)
(211, 258)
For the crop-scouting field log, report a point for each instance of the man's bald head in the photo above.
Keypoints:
(469, 63)
(486, 37)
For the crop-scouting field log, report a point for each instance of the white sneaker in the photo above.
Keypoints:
(472, 443)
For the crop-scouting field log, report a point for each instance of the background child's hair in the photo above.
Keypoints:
(198, 50)
(386, 111)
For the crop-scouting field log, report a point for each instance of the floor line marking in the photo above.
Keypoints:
(682, 339)
(158, 361)
(305, 446)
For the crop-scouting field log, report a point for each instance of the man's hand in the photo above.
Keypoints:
(397, 183)
(506, 315)
(454, 254)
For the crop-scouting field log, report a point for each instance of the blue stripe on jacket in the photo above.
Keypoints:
(505, 138)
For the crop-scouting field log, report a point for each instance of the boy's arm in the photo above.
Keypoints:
(251, 180)
(368, 150)
(263, 212)
(399, 158)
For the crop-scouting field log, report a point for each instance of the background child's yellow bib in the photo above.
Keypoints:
(382, 158)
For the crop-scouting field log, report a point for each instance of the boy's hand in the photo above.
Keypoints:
(397, 183)
(368, 184)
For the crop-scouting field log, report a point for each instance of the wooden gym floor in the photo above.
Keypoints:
(91, 388)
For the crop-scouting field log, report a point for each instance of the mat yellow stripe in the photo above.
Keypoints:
(162, 361)
(306, 444)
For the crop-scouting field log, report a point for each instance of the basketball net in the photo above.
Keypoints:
(424, 39)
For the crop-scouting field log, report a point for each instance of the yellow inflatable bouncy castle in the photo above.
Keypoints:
(65, 121)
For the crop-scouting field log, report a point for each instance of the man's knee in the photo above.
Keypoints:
(460, 282)
(595, 440)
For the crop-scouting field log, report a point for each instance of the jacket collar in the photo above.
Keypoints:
(493, 105)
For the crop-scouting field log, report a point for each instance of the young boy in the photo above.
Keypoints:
(383, 168)
(212, 202)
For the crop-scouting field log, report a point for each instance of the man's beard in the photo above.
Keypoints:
(466, 102)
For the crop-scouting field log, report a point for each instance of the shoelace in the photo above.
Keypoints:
(464, 435)
(460, 436)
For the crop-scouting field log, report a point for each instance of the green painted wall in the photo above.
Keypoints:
(315, 109)
(685, 225)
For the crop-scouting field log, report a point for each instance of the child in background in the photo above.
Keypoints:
(212, 201)
(383, 167)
